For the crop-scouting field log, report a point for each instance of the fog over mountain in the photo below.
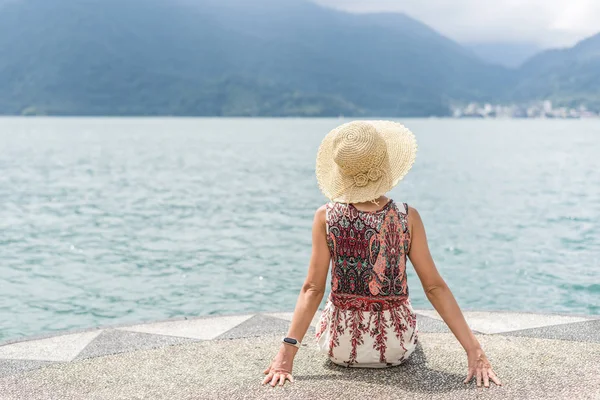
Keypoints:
(509, 54)
(261, 58)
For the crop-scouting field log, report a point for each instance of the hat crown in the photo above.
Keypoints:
(358, 147)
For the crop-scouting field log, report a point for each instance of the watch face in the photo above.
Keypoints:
(290, 340)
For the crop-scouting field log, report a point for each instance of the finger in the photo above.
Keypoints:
(268, 368)
(275, 378)
(478, 377)
(267, 378)
(495, 378)
(281, 379)
(469, 376)
(291, 378)
(486, 379)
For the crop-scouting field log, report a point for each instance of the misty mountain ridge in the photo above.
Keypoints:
(265, 58)
(506, 54)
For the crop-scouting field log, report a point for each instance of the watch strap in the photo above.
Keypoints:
(292, 341)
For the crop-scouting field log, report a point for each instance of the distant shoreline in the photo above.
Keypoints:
(91, 116)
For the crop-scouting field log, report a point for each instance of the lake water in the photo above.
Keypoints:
(106, 221)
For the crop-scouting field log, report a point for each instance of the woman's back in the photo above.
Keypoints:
(368, 319)
(368, 249)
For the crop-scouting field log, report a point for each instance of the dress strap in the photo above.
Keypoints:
(328, 208)
(407, 227)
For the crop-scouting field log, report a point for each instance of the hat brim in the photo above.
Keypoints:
(401, 147)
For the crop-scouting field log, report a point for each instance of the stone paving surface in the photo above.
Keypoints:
(169, 360)
(588, 331)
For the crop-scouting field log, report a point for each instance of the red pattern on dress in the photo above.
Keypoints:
(368, 251)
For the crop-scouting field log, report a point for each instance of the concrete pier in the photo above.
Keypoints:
(537, 356)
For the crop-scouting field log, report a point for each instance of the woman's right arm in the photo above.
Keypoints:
(445, 304)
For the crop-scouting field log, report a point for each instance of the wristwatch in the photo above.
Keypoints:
(291, 341)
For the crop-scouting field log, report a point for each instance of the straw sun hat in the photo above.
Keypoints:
(362, 160)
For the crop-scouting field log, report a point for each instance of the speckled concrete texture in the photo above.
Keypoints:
(203, 329)
(430, 325)
(113, 341)
(587, 331)
(232, 369)
(480, 321)
(256, 326)
(13, 367)
(175, 360)
(59, 348)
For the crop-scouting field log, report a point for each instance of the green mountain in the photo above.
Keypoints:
(508, 54)
(567, 76)
(227, 57)
(259, 58)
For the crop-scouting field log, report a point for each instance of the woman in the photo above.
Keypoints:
(368, 320)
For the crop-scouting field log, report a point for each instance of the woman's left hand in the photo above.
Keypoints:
(280, 368)
(480, 367)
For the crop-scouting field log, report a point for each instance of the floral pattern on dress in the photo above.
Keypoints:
(369, 302)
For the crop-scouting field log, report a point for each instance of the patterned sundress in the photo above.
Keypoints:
(368, 320)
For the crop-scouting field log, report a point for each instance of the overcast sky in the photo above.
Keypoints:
(547, 23)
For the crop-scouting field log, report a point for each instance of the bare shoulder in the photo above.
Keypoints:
(411, 210)
(320, 214)
(320, 221)
(414, 218)
(413, 214)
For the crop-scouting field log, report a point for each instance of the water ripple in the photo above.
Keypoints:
(125, 220)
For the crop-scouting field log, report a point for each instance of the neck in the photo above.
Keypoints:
(372, 205)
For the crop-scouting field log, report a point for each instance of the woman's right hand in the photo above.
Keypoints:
(480, 367)
(281, 366)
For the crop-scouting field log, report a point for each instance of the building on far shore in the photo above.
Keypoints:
(540, 109)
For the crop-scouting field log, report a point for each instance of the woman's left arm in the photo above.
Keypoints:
(442, 299)
(310, 297)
